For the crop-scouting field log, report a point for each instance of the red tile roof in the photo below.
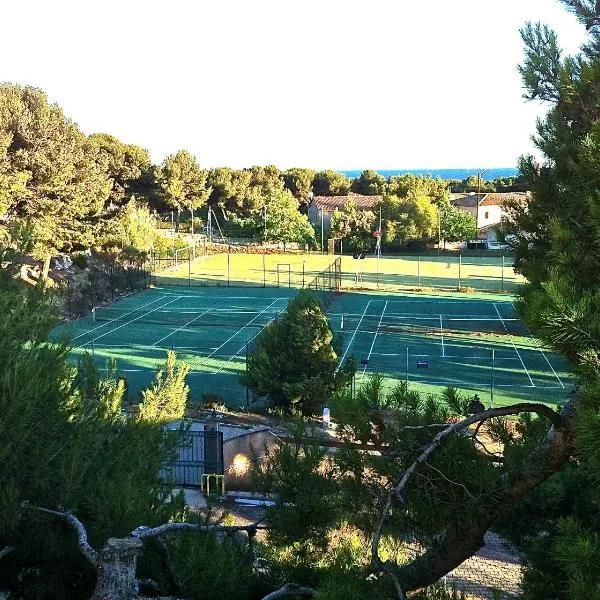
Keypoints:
(330, 203)
(491, 199)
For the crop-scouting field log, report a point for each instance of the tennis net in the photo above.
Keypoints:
(212, 317)
(430, 325)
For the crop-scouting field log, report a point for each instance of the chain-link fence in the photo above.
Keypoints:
(236, 266)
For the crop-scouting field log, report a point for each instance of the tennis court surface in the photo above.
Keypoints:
(475, 343)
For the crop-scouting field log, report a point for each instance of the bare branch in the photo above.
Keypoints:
(396, 494)
(462, 485)
(143, 531)
(6, 550)
(291, 589)
(77, 525)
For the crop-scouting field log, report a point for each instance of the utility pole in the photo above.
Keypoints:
(322, 230)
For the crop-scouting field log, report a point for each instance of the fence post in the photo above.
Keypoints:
(503, 272)
(459, 271)
(228, 266)
(419, 270)
(189, 271)
(69, 296)
(492, 384)
(303, 265)
(264, 271)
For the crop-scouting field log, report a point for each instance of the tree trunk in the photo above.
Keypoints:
(116, 579)
(456, 545)
(46, 267)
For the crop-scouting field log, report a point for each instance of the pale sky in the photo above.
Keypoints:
(339, 84)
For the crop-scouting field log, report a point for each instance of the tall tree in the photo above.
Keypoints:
(557, 250)
(127, 167)
(354, 226)
(456, 225)
(183, 183)
(281, 220)
(330, 183)
(294, 361)
(51, 176)
(299, 182)
(369, 183)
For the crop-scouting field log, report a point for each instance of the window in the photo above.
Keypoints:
(486, 215)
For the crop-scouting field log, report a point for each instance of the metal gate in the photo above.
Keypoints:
(198, 452)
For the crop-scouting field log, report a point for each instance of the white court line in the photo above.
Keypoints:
(442, 336)
(242, 348)
(132, 321)
(202, 362)
(544, 355)
(214, 296)
(180, 328)
(514, 346)
(353, 335)
(374, 338)
(117, 318)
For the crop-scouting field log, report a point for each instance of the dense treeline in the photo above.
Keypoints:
(72, 192)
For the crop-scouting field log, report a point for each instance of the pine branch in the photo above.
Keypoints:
(396, 495)
(143, 531)
(290, 589)
(77, 525)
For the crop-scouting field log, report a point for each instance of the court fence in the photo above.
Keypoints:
(101, 283)
(234, 267)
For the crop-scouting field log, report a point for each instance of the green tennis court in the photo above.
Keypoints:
(473, 342)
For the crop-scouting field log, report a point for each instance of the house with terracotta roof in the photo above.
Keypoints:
(323, 207)
(489, 210)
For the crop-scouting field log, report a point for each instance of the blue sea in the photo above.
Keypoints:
(441, 173)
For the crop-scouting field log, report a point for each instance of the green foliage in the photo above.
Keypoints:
(166, 398)
(413, 217)
(353, 226)
(330, 183)
(456, 225)
(52, 177)
(294, 359)
(208, 567)
(556, 248)
(65, 443)
(182, 182)
(369, 183)
(299, 182)
(283, 221)
(128, 167)
(328, 506)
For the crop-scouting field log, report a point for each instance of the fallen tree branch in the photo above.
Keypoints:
(143, 531)
(396, 495)
(291, 589)
(76, 525)
(5, 551)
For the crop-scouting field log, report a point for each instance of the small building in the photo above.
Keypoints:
(325, 205)
(489, 209)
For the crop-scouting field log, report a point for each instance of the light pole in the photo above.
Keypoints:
(322, 233)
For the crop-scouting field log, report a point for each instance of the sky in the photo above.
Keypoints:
(339, 84)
